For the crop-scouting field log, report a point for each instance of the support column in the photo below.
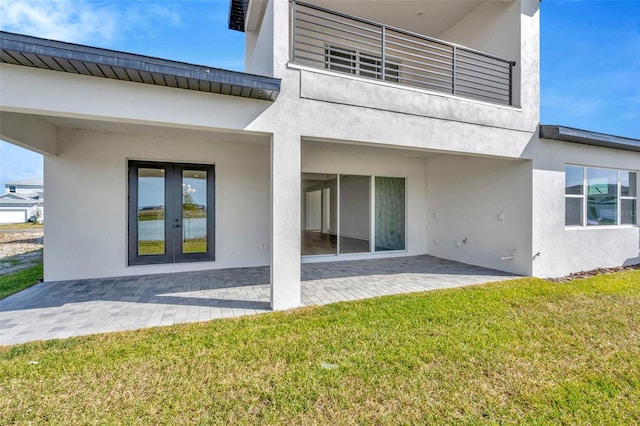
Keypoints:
(285, 221)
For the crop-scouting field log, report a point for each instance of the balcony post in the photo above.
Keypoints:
(383, 60)
(293, 32)
(511, 64)
(453, 71)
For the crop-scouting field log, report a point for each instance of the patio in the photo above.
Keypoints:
(82, 307)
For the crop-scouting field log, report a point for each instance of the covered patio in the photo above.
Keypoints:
(81, 307)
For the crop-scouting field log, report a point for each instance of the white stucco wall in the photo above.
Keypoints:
(259, 45)
(485, 201)
(565, 250)
(86, 201)
(326, 104)
(494, 28)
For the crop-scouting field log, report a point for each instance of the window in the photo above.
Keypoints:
(628, 198)
(574, 196)
(600, 197)
(171, 212)
(361, 63)
(12, 188)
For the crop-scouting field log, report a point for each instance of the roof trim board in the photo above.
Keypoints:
(586, 137)
(72, 58)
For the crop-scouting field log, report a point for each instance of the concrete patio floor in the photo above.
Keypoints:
(75, 308)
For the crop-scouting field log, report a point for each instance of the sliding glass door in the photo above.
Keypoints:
(319, 214)
(390, 214)
(349, 214)
(171, 212)
(355, 216)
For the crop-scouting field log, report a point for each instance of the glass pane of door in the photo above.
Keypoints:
(151, 211)
(355, 218)
(319, 214)
(390, 214)
(194, 211)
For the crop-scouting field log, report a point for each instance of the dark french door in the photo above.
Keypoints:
(171, 212)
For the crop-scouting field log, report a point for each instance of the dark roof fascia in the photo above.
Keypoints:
(585, 137)
(237, 14)
(246, 85)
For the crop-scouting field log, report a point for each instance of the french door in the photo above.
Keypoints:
(171, 212)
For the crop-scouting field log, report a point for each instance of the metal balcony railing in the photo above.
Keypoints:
(332, 40)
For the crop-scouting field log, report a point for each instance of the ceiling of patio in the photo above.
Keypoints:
(428, 17)
(153, 130)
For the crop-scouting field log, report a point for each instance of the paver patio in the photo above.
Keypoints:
(74, 308)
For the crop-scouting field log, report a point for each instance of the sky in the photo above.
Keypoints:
(589, 53)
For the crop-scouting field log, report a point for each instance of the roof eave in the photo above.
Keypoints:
(585, 137)
(47, 54)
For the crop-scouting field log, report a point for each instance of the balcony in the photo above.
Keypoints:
(332, 40)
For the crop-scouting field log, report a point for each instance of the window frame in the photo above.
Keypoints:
(362, 63)
(371, 217)
(585, 198)
(173, 214)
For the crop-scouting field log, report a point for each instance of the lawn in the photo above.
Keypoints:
(521, 351)
(195, 245)
(21, 226)
(18, 281)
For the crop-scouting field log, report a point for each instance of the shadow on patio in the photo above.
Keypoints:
(71, 308)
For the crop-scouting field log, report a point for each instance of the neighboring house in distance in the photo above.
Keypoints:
(21, 199)
(359, 130)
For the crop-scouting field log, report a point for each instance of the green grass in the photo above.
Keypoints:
(196, 245)
(20, 226)
(145, 215)
(519, 352)
(18, 281)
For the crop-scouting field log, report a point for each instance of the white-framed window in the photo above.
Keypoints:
(600, 197)
(364, 64)
(628, 198)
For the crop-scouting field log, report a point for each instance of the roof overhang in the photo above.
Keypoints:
(72, 58)
(585, 137)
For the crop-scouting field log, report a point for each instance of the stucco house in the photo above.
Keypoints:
(22, 201)
(359, 130)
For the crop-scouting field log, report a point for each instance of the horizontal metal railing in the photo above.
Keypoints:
(328, 39)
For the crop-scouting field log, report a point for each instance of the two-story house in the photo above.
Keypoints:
(359, 130)
(22, 201)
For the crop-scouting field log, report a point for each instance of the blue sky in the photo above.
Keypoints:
(590, 52)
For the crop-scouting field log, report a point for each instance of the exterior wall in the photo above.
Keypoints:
(566, 250)
(494, 28)
(259, 46)
(323, 159)
(112, 101)
(486, 202)
(316, 103)
(87, 235)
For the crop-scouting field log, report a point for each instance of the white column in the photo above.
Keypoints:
(285, 221)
